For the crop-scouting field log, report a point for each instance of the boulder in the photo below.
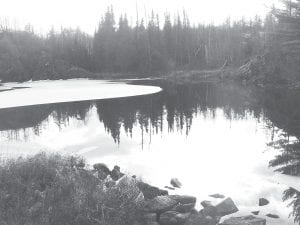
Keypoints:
(255, 213)
(272, 216)
(206, 203)
(127, 186)
(101, 167)
(211, 211)
(199, 219)
(116, 173)
(159, 204)
(173, 218)
(226, 207)
(163, 192)
(245, 220)
(102, 170)
(126, 181)
(149, 191)
(263, 202)
(217, 196)
(184, 208)
(175, 183)
(184, 199)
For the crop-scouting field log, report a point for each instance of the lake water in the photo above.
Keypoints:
(210, 137)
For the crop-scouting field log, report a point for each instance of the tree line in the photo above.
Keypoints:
(286, 39)
(149, 47)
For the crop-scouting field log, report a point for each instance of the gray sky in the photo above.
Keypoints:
(44, 14)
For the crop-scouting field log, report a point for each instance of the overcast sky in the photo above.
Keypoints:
(44, 14)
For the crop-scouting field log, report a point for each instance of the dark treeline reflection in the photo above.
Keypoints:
(176, 106)
(282, 109)
(16, 122)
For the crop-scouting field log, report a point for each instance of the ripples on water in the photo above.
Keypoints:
(214, 138)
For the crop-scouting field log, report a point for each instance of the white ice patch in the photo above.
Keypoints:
(46, 92)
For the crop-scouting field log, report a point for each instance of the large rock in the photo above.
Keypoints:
(101, 167)
(255, 213)
(226, 207)
(184, 208)
(263, 202)
(149, 191)
(102, 170)
(211, 211)
(183, 199)
(116, 173)
(206, 203)
(127, 186)
(245, 220)
(199, 219)
(173, 218)
(159, 204)
(274, 216)
(217, 196)
(176, 183)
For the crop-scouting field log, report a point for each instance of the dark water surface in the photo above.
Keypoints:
(213, 138)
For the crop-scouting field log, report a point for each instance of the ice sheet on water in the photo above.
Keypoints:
(46, 92)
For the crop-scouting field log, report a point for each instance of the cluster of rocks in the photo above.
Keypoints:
(160, 208)
(102, 172)
(180, 210)
(264, 202)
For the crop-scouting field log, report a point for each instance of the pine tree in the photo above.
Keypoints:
(288, 37)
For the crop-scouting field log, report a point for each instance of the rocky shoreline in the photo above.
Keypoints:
(161, 208)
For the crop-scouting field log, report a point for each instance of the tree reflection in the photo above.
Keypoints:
(282, 108)
(176, 106)
(18, 122)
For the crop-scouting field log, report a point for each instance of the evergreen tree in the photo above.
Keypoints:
(104, 43)
(288, 37)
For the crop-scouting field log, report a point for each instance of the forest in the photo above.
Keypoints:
(150, 47)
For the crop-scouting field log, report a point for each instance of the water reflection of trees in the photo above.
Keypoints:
(282, 108)
(18, 122)
(176, 106)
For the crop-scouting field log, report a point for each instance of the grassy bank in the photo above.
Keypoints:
(51, 189)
